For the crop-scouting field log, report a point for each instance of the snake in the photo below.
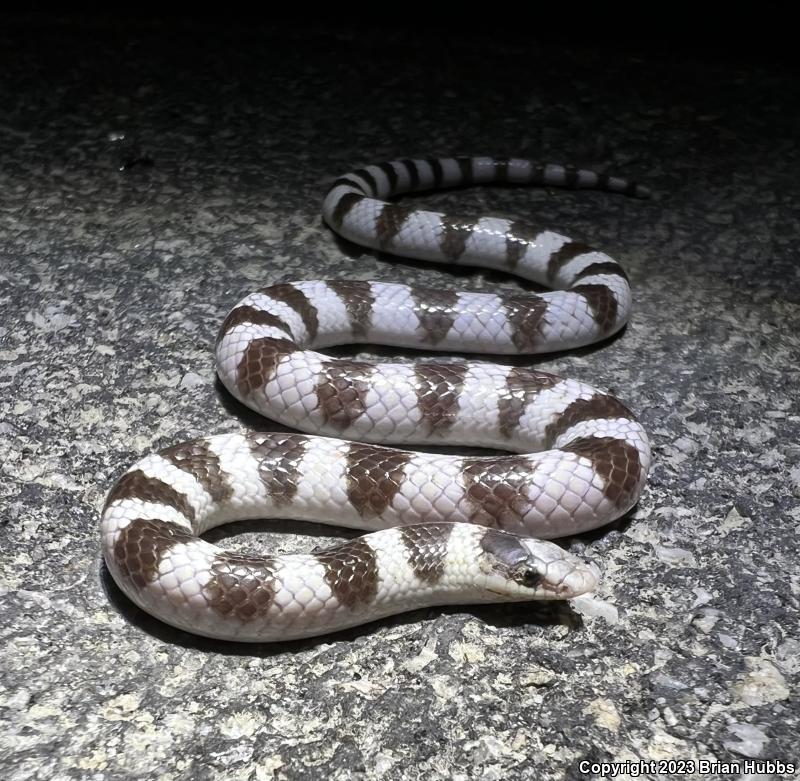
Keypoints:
(441, 528)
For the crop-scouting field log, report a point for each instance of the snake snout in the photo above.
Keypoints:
(561, 574)
(581, 579)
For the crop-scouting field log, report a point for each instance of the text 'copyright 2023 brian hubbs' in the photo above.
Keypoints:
(681, 767)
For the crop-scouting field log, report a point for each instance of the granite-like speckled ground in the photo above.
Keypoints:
(113, 283)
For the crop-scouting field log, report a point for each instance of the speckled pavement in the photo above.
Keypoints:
(150, 177)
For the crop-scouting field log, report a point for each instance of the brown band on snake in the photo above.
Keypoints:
(525, 315)
(413, 173)
(438, 389)
(454, 236)
(390, 222)
(522, 387)
(358, 299)
(390, 174)
(465, 170)
(368, 178)
(374, 476)
(607, 267)
(295, 298)
(259, 362)
(351, 571)
(506, 548)
(571, 176)
(563, 255)
(598, 407)
(241, 587)
(497, 489)
(343, 207)
(436, 311)
(500, 173)
(342, 391)
(202, 463)
(518, 238)
(143, 544)
(436, 171)
(279, 457)
(426, 546)
(138, 485)
(251, 314)
(616, 461)
(602, 304)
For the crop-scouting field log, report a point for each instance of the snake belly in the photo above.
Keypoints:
(444, 529)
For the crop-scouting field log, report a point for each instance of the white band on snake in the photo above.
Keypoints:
(445, 529)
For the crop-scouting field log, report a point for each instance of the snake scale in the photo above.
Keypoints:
(444, 529)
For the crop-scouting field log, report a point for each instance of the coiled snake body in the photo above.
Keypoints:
(446, 528)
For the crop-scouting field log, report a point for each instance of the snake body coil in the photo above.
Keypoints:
(446, 529)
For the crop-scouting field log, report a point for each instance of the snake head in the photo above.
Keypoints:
(535, 569)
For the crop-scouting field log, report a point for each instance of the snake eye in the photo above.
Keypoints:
(510, 557)
(526, 576)
(530, 577)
